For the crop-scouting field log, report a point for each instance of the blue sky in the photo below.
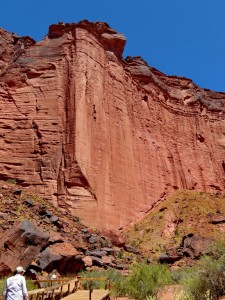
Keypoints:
(178, 37)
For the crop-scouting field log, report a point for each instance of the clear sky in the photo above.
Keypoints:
(178, 37)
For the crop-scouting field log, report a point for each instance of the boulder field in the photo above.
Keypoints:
(41, 238)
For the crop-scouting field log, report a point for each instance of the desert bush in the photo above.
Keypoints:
(204, 281)
(151, 298)
(2, 284)
(111, 274)
(31, 285)
(144, 281)
(119, 286)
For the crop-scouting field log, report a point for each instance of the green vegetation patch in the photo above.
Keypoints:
(204, 281)
(183, 213)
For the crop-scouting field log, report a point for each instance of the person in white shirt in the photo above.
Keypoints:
(54, 274)
(15, 288)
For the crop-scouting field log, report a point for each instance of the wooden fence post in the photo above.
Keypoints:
(68, 288)
(90, 292)
(91, 284)
(53, 291)
(43, 295)
(61, 291)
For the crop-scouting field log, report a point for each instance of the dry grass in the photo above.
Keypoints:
(183, 213)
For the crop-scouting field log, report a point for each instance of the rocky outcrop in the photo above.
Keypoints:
(193, 246)
(60, 256)
(215, 218)
(20, 245)
(38, 250)
(41, 238)
(102, 137)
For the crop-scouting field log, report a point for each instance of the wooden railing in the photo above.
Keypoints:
(55, 289)
(58, 288)
(107, 281)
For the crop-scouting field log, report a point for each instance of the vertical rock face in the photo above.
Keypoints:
(103, 137)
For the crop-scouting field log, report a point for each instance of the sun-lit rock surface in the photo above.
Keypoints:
(103, 137)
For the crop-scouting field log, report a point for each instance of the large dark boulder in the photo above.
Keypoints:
(196, 245)
(215, 218)
(131, 249)
(192, 246)
(20, 245)
(61, 256)
(170, 257)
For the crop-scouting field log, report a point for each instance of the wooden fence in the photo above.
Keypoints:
(55, 289)
(107, 281)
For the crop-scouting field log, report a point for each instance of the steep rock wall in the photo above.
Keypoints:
(102, 137)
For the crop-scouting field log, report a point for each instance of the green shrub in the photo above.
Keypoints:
(2, 284)
(179, 274)
(206, 280)
(11, 180)
(144, 281)
(31, 285)
(119, 286)
(110, 274)
(151, 298)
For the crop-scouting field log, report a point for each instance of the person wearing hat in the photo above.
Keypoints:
(15, 288)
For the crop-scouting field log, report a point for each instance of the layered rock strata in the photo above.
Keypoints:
(103, 137)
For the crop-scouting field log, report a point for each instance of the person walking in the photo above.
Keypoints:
(53, 275)
(15, 288)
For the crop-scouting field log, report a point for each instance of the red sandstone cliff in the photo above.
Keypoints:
(103, 137)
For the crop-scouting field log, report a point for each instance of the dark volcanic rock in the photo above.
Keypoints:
(192, 246)
(96, 261)
(93, 239)
(215, 218)
(20, 245)
(195, 246)
(61, 256)
(28, 202)
(97, 253)
(170, 257)
(131, 249)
